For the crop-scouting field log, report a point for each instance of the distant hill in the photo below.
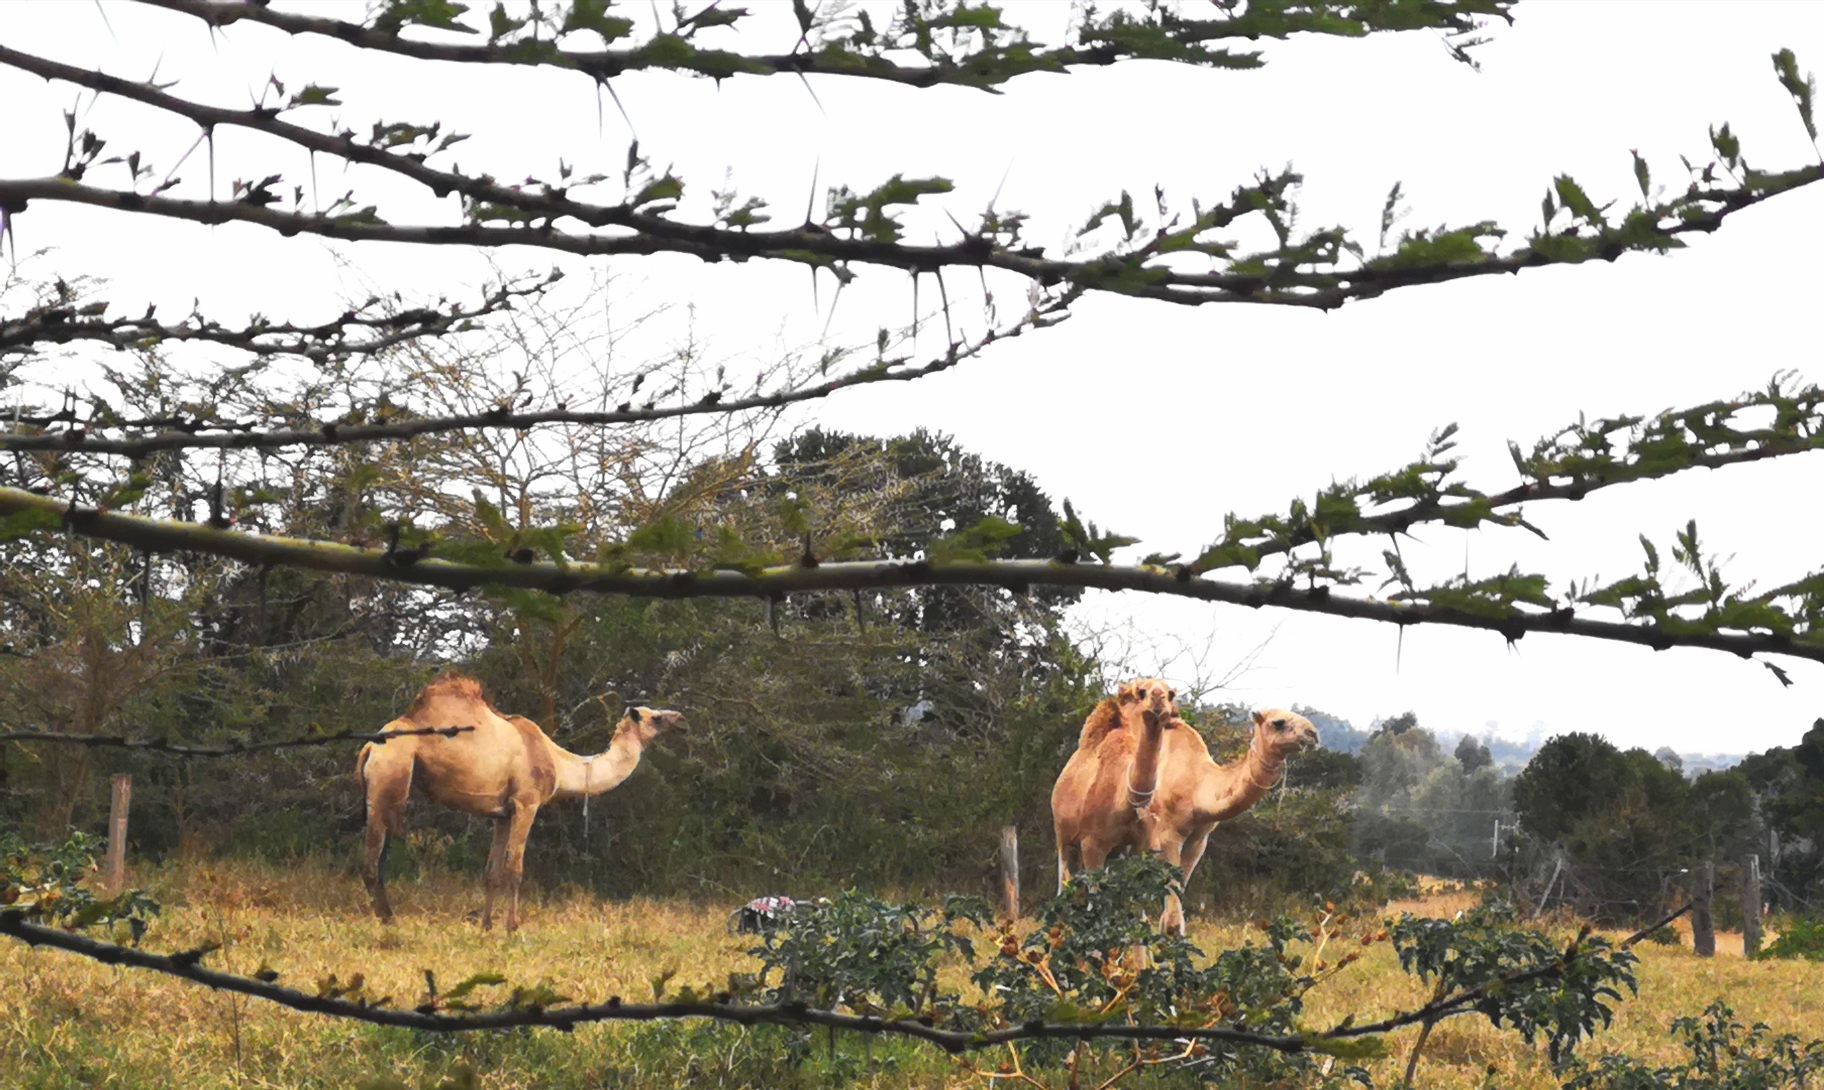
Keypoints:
(1510, 754)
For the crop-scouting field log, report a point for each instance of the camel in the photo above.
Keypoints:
(1142, 778)
(505, 769)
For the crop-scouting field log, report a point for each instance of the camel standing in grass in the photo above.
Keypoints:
(505, 769)
(1142, 778)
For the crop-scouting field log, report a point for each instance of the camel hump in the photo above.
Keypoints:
(450, 685)
(1105, 718)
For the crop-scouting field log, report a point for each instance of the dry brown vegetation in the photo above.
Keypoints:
(65, 1022)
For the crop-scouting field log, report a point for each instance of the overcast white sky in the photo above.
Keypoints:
(1154, 419)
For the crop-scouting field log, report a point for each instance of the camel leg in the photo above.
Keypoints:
(1065, 847)
(373, 873)
(1091, 855)
(514, 861)
(386, 795)
(1171, 921)
(490, 875)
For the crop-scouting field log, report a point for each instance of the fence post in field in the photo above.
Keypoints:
(1010, 871)
(1751, 905)
(1703, 928)
(114, 877)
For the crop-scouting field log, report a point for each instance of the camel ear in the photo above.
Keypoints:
(1127, 693)
(632, 713)
(1259, 718)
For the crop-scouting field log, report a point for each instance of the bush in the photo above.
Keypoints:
(1800, 937)
(1722, 1057)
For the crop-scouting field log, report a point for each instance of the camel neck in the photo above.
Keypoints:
(1229, 789)
(579, 776)
(1143, 776)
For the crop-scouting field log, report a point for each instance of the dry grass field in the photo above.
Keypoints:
(66, 1022)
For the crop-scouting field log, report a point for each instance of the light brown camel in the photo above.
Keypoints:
(505, 769)
(1142, 778)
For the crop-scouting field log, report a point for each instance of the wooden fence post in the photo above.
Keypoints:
(1010, 871)
(1751, 905)
(1703, 928)
(114, 877)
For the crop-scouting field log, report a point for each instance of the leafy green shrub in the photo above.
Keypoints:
(42, 883)
(1482, 952)
(1800, 937)
(870, 956)
(1096, 956)
(1721, 1058)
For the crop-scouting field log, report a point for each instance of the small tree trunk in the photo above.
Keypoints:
(1751, 905)
(1703, 928)
(114, 877)
(1010, 871)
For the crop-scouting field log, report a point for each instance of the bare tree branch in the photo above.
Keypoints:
(231, 749)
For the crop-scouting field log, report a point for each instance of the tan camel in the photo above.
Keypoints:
(1142, 778)
(505, 769)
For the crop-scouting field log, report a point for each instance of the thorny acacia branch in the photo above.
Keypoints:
(366, 330)
(1467, 609)
(1322, 268)
(231, 749)
(79, 434)
(1001, 52)
(186, 965)
(1571, 464)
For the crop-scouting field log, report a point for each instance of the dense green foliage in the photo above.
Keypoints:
(1628, 826)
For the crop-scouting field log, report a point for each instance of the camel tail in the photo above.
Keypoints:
(1105, 719)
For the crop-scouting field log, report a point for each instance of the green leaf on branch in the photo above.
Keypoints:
(977, 543)
(436, 14)
(1803, 89)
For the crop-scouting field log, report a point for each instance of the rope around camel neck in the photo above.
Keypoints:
(1278, 774)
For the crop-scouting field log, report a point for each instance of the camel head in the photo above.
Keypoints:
(1281, 733)
(646, 724)
(1151, 697)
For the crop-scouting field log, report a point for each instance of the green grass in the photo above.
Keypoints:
(66, 1022)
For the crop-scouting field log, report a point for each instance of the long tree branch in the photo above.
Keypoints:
(231, 749)
(1302, 272)
(366, 330)
(1494, 615)
(186, 965)
(80, 436)
(985, 68)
